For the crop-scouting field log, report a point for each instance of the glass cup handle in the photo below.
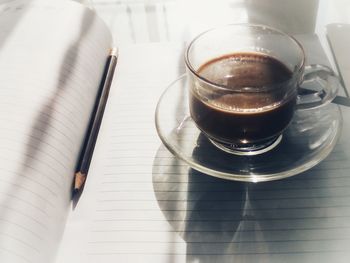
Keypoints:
(319, 86)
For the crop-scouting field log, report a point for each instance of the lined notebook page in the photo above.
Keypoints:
(141, 204)
(51, 60)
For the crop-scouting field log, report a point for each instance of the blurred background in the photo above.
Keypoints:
(143, 21)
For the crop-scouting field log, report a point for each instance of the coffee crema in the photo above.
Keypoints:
(240, 117)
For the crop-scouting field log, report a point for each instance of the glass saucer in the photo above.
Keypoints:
(310, 137)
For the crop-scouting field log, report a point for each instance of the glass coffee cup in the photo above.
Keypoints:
(245, 82)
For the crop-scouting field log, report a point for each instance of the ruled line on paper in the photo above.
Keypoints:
(22, 111)
(118, 180)
(37, 236)
(218, 254)
(226, 210)
(301, 188)
(213, 220)
(224, 242)
(36, 139)
(15, 253)
(21, 241)
(215, 231)
(37, 221)
(43, 198)
(15, 197)
(18, 161)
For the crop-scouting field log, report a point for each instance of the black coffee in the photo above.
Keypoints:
(244, 117)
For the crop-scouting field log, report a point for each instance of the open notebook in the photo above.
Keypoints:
(140, 204)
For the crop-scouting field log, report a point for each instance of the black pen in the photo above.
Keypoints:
(95, 123)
